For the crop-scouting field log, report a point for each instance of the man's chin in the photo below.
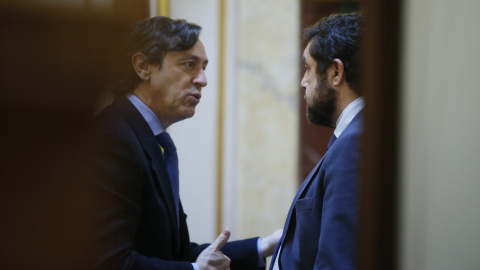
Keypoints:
(189, 113)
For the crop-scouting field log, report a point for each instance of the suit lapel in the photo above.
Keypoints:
(157, 165)
(314, 172)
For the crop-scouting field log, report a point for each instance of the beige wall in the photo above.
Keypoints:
(440, 217)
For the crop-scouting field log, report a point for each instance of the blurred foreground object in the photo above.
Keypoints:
(55, 69)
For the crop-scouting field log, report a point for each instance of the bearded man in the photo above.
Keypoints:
(320, 230)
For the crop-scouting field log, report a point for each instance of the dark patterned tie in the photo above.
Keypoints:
(171, 159)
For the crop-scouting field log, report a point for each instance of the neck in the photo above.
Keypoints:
(345, 96)
(143, 95)
(147, 99)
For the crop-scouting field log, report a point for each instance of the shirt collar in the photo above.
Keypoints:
(149, 116)
(348, 114)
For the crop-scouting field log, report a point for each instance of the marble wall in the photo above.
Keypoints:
(267, 60)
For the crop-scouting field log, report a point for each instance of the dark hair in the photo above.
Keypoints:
(337, 36)
(154, 37)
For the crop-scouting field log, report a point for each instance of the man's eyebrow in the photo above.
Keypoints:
(190, 57)
(194, 58)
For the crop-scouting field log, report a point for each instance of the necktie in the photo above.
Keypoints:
(171, 160)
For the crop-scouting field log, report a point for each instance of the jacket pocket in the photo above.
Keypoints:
(305, 204)
(305, 241)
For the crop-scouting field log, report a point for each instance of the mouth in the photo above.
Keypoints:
(195, 97)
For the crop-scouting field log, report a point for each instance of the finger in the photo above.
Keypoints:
(221, 240)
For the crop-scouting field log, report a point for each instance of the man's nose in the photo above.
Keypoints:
(201, 79)
(303, 82)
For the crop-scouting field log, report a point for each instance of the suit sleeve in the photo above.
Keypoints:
(336, 247)
(117, 192)
(243, 253)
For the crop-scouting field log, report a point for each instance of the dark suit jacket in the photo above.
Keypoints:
(320, 229)
(136, 217)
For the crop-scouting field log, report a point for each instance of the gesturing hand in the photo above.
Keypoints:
(212, 258)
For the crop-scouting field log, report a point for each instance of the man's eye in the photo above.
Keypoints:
(189, 64)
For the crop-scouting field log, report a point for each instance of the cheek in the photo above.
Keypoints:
(312, 81)
(309, 94)
(310, 90)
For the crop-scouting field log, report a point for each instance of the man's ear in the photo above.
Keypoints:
(142, 68)
(338, 72)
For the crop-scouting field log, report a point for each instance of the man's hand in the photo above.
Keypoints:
(212, 258)
(268, 244)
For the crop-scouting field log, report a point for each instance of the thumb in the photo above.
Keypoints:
(221, 240)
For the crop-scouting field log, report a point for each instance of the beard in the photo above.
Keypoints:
(321, 107)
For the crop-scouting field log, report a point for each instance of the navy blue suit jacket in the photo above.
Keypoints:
(320, 229)
(135, 212)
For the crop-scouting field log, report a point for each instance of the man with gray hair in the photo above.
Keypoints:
(140, 219)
